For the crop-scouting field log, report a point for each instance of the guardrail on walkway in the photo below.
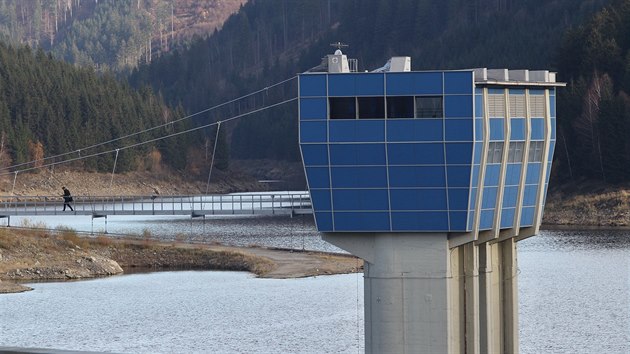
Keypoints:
(289, 203)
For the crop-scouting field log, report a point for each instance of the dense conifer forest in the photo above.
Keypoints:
(48, 107)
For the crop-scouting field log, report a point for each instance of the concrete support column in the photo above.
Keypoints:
(423, 297)
(509, 295)
(406, 290)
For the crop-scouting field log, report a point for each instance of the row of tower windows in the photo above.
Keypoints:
(515, 152)
(375, 107)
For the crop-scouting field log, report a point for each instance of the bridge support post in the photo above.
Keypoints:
(421, 296)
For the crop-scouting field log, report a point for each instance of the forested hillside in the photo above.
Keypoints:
(594, 109)
(110, 34)
(269, 41)
(48, 107)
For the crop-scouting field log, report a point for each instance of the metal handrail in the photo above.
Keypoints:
(151, 204)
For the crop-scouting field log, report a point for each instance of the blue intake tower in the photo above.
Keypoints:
(401, 163)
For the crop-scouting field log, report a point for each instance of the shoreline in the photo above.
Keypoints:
(33, 256)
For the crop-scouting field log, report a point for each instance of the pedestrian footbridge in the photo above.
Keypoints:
(265, 203)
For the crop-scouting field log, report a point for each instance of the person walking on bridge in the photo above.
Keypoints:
(67, 198)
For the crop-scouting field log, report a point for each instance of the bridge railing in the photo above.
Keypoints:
(196, 205)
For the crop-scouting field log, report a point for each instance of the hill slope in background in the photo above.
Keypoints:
(111, 34)
(266, 42)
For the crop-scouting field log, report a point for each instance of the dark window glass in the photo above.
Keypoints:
(429, 107)
(371, 107)
(400, 107)
(342, 107)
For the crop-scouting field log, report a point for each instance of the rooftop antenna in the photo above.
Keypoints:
(338, 45)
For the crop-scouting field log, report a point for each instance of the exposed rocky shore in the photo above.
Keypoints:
(63, 255)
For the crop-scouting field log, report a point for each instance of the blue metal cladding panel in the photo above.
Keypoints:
(527, 216)
(415, 154)
(475, 175)
(513, 174)
(458, 106)
(313, 85)
(315, 154)
(492, 175)
(529, 196)
(538, 129)
(459, 176)
(458, 199)
(510, 195)
(313, 132)
(416, 176)
(416, 83)
(471, 218)
(368, 130)
(552, 106)
(507, 218)
(321, 199)
(458, 82)
(517, 129)
(478, 106)
(497, 129)
(459, 129)
(313, 108)
(489, 199)
(318, 177)
(341, 85)
(478, 152)
(361, 221)
(478, 129)
(357, 154)
(323, 220)
(459, 153)
(552, 145)
(473, 198)
(553, 128)
(514, 91)
(457, 220)
(400, 84)
(533, 173)
(369, 84)
(418, 199)
(485, 221)
(415, 130)
(360, 199)
(359, 177)
(420, 221)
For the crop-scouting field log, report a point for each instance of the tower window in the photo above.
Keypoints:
(371, 107)
(342, 107)
(429, 107)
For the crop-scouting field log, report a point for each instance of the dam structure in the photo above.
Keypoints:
(431, 177)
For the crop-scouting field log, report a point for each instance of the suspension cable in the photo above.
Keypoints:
(111, 181)
(214, 150)
(265, 89)
(154, 139)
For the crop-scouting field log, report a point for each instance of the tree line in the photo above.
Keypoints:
(49, 107)
(593, 140)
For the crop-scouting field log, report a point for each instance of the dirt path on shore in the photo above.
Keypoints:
(29, 255)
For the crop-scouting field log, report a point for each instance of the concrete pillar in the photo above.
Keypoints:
(406, 290)
(423, 297)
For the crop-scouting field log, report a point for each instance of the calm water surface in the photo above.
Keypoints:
(574, 297)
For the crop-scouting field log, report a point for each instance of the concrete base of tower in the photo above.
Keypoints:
(423, 297)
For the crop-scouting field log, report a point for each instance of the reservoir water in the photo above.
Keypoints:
(574, 297)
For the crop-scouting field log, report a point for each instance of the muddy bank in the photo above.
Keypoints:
(37, 255)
